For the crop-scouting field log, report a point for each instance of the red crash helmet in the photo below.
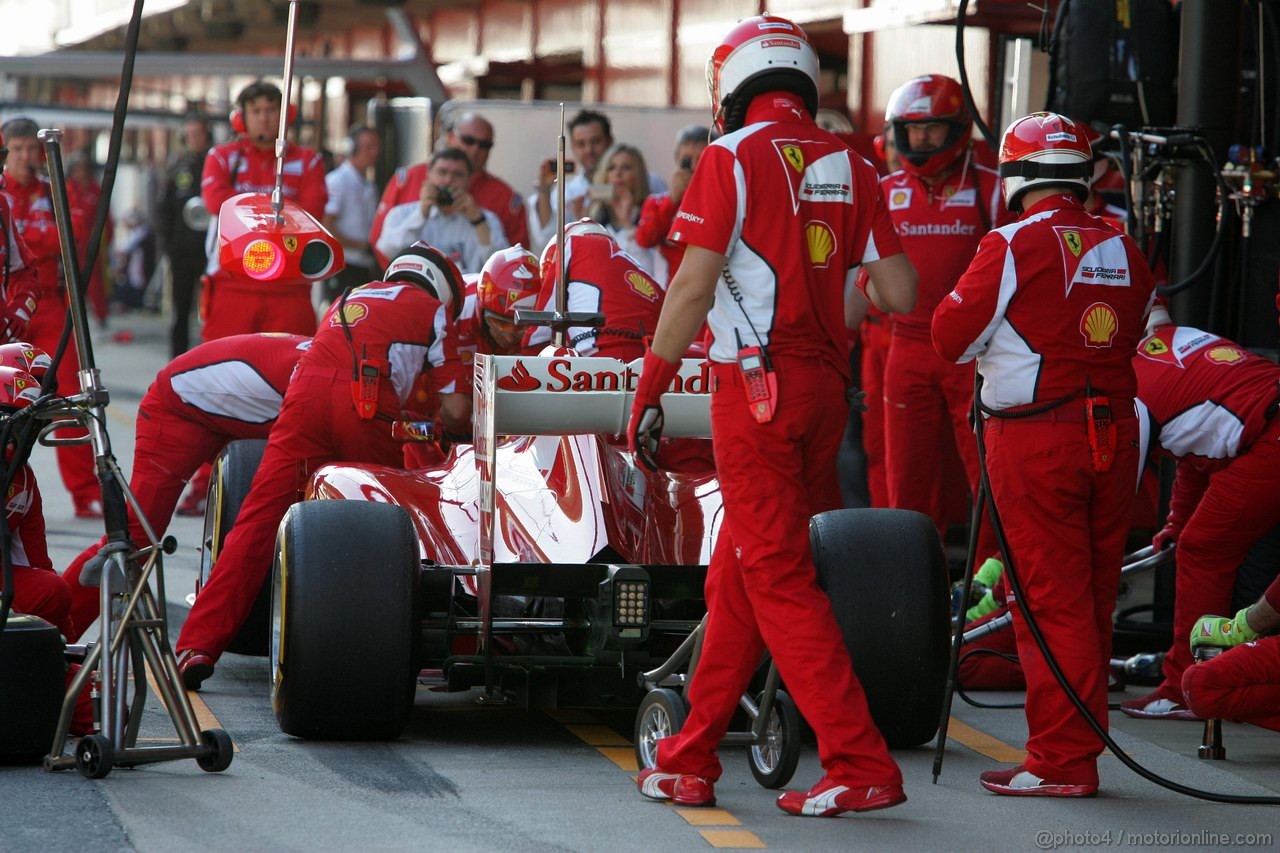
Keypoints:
(761, 54)
(582, 228)
(426, 266)
(1044, 150)
(509, 280)
(18, 389)
(920, 100)
(26, 357)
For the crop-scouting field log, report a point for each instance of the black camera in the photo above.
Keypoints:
(444, 196)
(686, 163)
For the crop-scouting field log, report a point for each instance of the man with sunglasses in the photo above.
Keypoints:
(472, 135)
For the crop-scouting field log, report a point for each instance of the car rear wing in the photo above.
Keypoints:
(575, 395)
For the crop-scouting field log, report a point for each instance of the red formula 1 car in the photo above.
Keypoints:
(542, 566)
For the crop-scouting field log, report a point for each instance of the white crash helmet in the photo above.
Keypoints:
(758, 55)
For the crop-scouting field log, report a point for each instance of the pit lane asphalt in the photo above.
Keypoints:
(468, 778)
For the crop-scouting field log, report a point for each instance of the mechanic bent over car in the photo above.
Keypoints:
(772, 274)
(221, 391)
(600, 277)
(1243, 684)
(1213, 404)
(349, 387)
(1052, 307)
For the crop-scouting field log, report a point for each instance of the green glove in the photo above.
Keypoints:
(987, 604)
(1222, 632)
(989, 573)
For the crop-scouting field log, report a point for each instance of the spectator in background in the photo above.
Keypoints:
(83, 194)
(659, 210)
(590, 136)
(349, 212)
(183, 244)
(473, 136)
(621, 186)
(445, 216)
(134, 262)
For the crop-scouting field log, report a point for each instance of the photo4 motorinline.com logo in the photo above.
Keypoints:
(1053, 840)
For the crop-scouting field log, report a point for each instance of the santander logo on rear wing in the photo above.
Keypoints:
(572, 395)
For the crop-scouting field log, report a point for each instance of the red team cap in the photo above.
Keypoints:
(26, 357)
(18, 389)
(426, 266)
(933, 97)
(1044, 150)
(761, 54)
(509, 280)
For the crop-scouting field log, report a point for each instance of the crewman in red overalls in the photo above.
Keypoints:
(1052, 308)
(769, 279)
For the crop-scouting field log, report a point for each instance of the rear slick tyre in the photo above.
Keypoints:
(344, 621)
(886, 576)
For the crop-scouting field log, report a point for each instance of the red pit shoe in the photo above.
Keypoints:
(192, 506)
(1020, 782)
(681, 789)
(91, 508)
(1158, 705)
(828, 798)
(195, 667)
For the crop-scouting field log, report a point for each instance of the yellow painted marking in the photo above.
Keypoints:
(623, 756)
(983, 743)
(123, 417)
(598, 735)
(204, 717)
(708, 817)
(736, 839)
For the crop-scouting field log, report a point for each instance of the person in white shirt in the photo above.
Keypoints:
(446, 216)
(623, 171)
(590, 136)
(349, 212)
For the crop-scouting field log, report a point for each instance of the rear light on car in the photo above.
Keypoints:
(623, 608)
(631, 604)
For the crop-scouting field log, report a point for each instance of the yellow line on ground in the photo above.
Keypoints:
(623, 756)
(204, 717)
(708, 817)
(126, 419)
(983, 743)
(735, 839)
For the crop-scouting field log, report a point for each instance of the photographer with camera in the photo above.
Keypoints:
(445, 216)
(658, 213)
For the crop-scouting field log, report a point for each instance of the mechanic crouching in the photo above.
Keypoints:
(1242, 684)
(1054, 342)
(772, 277)
(1214, 404)
(350, 386)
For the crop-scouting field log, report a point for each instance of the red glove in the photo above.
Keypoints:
(1166, 537)
(644, 430)
(15, 319)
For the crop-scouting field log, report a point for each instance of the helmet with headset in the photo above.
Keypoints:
(509, 280)
(25, 356)
(426, 266)
(252, 92)
(761, 54)
(1044, 150)
(18, 389)
(925, 100)
(582, 228)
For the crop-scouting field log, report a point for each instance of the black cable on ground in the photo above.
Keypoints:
(1034, 628)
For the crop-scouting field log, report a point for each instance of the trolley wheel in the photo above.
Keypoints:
(774, 762)
(94, 756)
(220, 751)
(661, 714)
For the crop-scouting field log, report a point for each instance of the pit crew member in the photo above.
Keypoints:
(31, 206)
(603, 278)
(780, 298)
(248, 164)
(942, 203)
(218, 392)
(1052, 307)
(1214, 406)
(1242, 684)
(395, 328)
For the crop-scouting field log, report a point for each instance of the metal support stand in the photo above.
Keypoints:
(1211, 748)
(133, 636)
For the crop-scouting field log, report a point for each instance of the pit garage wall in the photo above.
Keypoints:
(653, 52)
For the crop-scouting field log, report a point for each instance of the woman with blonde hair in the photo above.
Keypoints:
(623, 170)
